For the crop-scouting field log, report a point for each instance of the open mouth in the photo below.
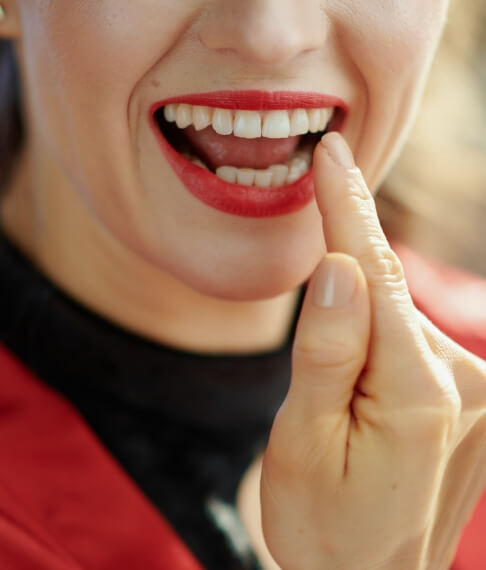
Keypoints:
(246, 153)
(263, 149)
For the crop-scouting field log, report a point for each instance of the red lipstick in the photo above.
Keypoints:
(248, 201)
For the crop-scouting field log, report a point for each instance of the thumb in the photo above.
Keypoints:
(331, 341)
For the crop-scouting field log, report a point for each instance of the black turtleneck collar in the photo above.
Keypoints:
(185, 426)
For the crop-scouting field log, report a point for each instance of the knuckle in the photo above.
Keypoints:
(358, 189)
(472, 372)
(447, 414)
(440, 429)
(431, 418)
(442, 378)
(441, 416)
(429, 429)
(439, 387)
(383, 265)
(452, 406)
(330, 354)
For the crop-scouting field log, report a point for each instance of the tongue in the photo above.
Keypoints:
(228, 150)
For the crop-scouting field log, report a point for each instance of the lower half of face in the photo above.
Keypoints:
(188, 128)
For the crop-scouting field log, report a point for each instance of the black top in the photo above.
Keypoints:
(185, 426)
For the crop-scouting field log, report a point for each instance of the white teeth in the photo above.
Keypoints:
(263, 178)
(279, 174)
(299, 122)
(223, 121)
(273, 176)
(202, 117)
(326, 115)
(245, 176)
(294, 174)
(276, 125)
(249, 124)
(170, 112)
(183, 116)
(300, 162)
(314, 120)
(227, 173)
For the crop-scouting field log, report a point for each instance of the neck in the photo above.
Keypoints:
(49, 223)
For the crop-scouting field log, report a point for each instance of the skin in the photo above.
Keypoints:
(95, 182)
(375, 388)
(379, 448)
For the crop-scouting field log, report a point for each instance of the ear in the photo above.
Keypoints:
(9, 20)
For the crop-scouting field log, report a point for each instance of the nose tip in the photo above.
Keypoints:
(264, 32)
(267, 51)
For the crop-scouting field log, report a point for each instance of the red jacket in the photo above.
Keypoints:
(65, 504)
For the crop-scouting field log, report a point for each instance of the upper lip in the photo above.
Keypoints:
(255, 100)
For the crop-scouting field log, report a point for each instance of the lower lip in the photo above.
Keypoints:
(246, 201)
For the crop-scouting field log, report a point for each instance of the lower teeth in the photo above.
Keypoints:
(274, 176)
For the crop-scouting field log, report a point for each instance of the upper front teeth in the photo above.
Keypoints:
(249, 124)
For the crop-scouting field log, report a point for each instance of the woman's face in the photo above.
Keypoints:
(93, 69)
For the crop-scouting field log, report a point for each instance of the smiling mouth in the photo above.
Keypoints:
(261, 148)
(246, 153)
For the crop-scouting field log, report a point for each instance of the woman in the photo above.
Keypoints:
(164, 200)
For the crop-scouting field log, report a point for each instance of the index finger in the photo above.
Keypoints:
(351, 226)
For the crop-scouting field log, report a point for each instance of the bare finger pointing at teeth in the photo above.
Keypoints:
(351, 226)
(365, 388)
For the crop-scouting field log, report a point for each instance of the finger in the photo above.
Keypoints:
(467, 369)
(351, 226)
(331, 341)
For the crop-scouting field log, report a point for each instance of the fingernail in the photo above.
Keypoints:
(335, 284)
(338, 149)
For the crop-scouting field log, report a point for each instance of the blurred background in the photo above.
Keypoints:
(435, 198)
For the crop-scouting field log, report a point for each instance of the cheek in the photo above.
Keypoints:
(390, 44)
(83, 61)
(89, 42)
(389, 40)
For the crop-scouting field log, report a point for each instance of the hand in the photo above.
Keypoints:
(377, 457)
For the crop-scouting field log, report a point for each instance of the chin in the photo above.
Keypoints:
(252, 282)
